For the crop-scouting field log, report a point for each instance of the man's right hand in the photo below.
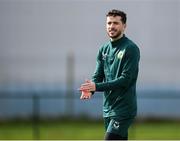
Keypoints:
(85, 95)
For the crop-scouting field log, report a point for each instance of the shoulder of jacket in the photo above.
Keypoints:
(104, 46)
(131, 45)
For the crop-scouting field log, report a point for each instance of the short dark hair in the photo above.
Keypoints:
(115, 13)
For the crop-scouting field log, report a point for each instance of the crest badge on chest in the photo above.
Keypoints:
(120, 54)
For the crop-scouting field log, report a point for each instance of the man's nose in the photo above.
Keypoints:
(111, 25)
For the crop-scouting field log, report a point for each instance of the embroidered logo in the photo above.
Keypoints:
(104, 56)
(116, 124)
(120, 54)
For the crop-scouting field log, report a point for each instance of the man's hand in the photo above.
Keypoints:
(85, 95)
(88, 86)
(86, 89)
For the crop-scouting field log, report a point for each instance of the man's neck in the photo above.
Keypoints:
(115, 39)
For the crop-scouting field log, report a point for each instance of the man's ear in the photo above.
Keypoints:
(125, 25)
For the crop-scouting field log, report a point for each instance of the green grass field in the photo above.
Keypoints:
(81, 129)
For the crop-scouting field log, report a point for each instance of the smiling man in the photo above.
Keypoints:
(116, 75)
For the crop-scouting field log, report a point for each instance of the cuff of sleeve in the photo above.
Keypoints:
(100, 86)
(92, 92)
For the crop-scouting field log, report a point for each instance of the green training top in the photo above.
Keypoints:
(116, 74)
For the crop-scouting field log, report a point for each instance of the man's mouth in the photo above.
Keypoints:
(112, 31)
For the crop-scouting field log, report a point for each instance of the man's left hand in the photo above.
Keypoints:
(88, 86)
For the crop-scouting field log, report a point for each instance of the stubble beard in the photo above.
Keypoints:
(117, 35)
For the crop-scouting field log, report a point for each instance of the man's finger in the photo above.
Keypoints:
(85, 96)
(81, 97)
(85, 84)
(84, 88)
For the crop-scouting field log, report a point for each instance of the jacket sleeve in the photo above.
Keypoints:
(98, 75)
(129, 71)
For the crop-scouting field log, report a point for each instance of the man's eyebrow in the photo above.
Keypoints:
(112, 22)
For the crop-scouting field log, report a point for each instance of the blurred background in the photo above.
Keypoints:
(49, 47)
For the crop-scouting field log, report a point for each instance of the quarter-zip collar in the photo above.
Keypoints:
(118, 42)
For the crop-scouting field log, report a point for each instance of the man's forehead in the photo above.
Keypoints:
(113, 18)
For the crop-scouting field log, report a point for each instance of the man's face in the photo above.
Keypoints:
(114, 26)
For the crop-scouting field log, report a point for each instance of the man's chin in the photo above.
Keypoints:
(113, 36)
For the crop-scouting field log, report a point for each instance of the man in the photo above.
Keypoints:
(116, 74)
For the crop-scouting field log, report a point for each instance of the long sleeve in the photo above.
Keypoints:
(98, 75)
(129, 71)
